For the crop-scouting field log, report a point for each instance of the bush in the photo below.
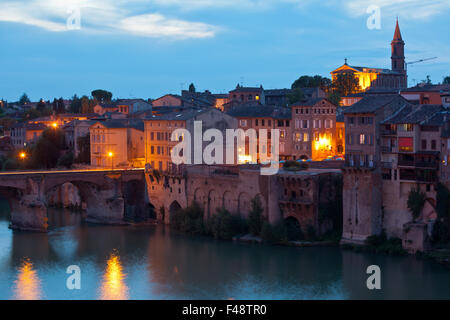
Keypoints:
(381, 244)
(274, 233)
(416, 201)
(220, 225)
(66, 160)
(189, 220)
(255, 217)
(441, 231)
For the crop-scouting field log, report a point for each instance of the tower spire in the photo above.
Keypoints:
(397, 34)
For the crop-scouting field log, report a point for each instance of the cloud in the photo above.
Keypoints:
(105, 16)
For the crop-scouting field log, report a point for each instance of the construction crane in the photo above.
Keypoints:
(421, 60)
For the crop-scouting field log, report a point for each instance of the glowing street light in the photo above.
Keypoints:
(54, 125)
(111, 155)
(22, 155)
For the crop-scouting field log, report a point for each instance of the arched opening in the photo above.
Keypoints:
(303, 157)
(293, 229)
(244, 205)
(134, 198)
(174, 208)
(213, 203)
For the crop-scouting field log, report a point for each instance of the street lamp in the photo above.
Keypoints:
(22, 155)
(111, 155)
(54, 125)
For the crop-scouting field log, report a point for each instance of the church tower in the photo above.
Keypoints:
(398, 51)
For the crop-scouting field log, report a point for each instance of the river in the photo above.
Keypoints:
(152, 262)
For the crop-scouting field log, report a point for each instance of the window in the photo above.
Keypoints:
(306, 124)
(262, 122)
(243, 123)
(433, 144)
(256, 122)
(407, 127)
(269, 122)
(405, 144)
(424, 144)
(282, 133)
(306, 137)
(152, 136)
(298, 137)
(362, 139)
(350, 120)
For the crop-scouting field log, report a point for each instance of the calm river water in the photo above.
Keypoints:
(150, 262)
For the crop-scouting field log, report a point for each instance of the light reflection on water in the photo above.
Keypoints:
(27, 285)
(113, 284)
(154, 263)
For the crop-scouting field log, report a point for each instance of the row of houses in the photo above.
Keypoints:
(392, 146)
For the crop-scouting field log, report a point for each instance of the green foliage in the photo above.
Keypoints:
(75, 105)
(345, 84)
(102, 95)
(24, 99)
(446, 80)
(10, 164)
(45, 153)
(334, 97)
(220, 225)
(84, 147)
(191, 88)
(66, 160)
(381, 244)
(189, 220)
(255, 219)
(296, 95)
(274, 234)
(441, 231)
(31, 114)
(312, 82)
(416, 201)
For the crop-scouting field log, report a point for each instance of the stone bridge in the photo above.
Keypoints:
(109, 195)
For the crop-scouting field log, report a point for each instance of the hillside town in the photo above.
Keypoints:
(388, 144)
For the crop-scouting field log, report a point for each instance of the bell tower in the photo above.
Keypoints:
(398, 51)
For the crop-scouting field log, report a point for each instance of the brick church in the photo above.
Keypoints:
(377, 78)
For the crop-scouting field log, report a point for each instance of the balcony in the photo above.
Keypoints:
(387, 165)
(389, 149)
(388, 132)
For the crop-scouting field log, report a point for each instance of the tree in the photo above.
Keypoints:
(46, 152)
(255, 218)
(102, 95)
(84, 147)
(312, 82)
(24, 99)
(191, 88)
(446, 80)
(295, 95)
(416, 202)
(427, 80)
(334, 97)
(66, 160)
(345, 84)
(75, 105)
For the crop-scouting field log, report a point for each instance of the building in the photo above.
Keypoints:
(363, 194)
(265, 117)
(132, 106)
(102, 108)
(158, 131)
(313, 129)
(426, 93)
(410, 158)
(370, 78)
(74, 130)
(117, 143)
(24, 134)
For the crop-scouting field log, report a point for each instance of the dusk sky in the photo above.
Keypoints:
(148, 48)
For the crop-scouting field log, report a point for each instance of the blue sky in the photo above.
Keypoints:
(146, 48)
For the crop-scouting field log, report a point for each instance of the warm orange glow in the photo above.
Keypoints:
(54, 125)
(113, 285)
(110, 154)
(23, 155)
(323, 144)
(27, 286)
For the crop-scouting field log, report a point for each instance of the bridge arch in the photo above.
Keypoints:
(228, 202)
